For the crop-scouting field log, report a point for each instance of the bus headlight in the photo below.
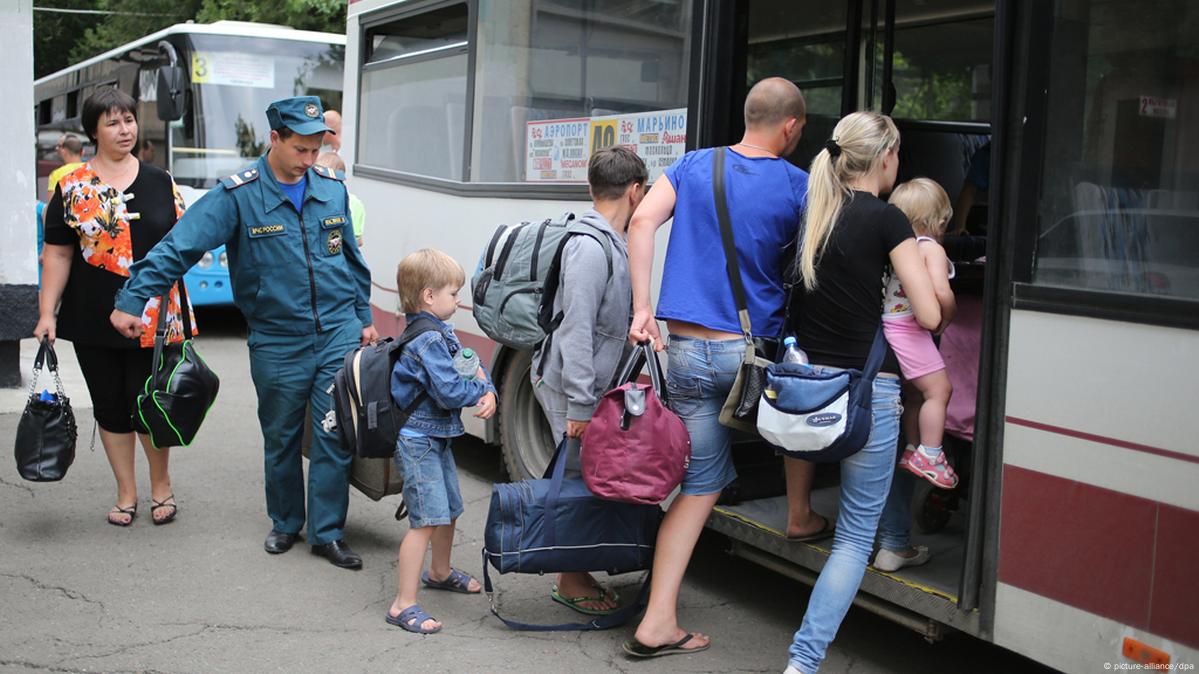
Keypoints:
(206, 261)
(224, 260)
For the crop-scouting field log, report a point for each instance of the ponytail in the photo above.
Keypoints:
(859, 141)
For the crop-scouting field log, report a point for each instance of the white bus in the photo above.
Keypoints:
(220, 78)
(1066, 134)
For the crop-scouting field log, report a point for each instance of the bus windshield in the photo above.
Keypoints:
(233, 79)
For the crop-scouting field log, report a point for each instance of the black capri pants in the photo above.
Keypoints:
(114, 377)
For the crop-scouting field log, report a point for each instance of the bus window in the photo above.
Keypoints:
(940, 64)
(233, 80)
(414, 94)
(1119, 207)
(808, 48)
(557, 80)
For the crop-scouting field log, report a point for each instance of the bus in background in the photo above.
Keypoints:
(202, 92)
(1061, 131)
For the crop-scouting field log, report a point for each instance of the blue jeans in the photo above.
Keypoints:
(865, 481)
(699, 377)
(431, 490)
(895, 527)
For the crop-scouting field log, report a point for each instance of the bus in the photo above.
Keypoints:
(1063, 131)
(202, 92)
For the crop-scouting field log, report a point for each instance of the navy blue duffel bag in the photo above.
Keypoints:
(556, 525)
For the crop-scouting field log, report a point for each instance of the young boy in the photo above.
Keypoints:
(428, 281)
(590, 343)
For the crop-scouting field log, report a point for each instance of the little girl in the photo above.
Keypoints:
(927, 388)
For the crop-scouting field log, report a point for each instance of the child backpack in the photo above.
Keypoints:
(367, 418)
(511, 286)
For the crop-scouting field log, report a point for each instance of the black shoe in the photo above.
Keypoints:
(339, 554)
(277, 542)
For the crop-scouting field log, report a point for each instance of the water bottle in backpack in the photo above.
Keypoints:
(466, 363)
(792, 353)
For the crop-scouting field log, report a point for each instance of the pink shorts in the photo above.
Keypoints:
(913, 346)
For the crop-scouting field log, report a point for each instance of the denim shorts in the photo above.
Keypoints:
(430, 480)
(699, 377)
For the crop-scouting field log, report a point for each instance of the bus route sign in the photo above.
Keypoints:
(557, 150)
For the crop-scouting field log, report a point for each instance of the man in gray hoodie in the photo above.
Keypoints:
(592, 339)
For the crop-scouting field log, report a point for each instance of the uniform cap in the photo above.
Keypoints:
(302, 114)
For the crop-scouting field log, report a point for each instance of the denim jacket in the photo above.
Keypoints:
(427, 364)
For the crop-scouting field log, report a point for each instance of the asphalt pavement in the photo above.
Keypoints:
(201, 595)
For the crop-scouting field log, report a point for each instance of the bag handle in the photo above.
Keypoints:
(642, 355)
(730, 245)
(878, 352)
(46, 358)
(160, 329)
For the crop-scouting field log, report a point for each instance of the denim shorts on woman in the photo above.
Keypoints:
(430, 480)
(699, 377)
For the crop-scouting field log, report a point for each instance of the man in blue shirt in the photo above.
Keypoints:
(304, 289)
(766, 196)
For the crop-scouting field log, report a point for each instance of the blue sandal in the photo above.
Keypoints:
(456, 582)
(412, 619)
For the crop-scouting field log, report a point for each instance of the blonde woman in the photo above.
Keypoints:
(851, 238)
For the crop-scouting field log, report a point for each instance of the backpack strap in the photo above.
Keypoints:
(419, 326)
(547, 320)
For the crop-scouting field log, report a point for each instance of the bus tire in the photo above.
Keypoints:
(931, 507)
(525, 438)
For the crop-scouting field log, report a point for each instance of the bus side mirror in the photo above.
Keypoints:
(172, 83)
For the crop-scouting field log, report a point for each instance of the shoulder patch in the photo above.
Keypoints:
(240, 178)
(326, 172)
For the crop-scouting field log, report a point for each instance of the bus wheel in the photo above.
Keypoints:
(931, 507)
(525, 435)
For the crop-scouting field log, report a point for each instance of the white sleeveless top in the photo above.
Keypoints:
(895, 302)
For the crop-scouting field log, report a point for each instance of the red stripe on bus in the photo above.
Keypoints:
(1091, 437)
(1113, 554)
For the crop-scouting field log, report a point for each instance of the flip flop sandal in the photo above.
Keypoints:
(412, 619)
(573, 602)
(131, 511)
(456, 582)
(827, 530)
(639, 650)
(155, 505)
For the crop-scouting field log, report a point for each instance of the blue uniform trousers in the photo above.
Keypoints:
(290, 372)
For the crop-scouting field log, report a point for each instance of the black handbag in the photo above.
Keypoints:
(740, 409)
(181, 387)
(45, 446)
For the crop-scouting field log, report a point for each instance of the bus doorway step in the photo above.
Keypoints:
(932, 630)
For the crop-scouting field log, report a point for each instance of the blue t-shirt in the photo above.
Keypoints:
(295, 191)
(766, 197)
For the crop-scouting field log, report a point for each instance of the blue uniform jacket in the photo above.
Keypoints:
(293, 273)
(427, 364)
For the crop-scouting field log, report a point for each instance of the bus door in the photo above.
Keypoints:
(928, 65)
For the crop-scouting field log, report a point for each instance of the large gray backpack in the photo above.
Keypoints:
(511, 286)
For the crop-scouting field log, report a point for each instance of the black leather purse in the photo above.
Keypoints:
(46, 434)
(740, 409)
(181, 387)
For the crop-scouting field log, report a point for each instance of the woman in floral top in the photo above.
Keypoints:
(104, 216)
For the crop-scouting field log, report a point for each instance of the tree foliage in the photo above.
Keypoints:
(62, 39)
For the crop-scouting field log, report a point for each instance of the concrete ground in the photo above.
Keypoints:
(200, 595)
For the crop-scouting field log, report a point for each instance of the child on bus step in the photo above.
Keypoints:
(429, 281)
(927, 388)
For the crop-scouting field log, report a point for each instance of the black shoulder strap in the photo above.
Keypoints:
(417, 327)
(547, 320)
(726, 237)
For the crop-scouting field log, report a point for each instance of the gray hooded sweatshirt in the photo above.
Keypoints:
(592, 340)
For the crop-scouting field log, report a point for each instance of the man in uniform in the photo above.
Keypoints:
(304, 289)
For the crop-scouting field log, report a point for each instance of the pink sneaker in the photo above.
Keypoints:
(938, 471)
